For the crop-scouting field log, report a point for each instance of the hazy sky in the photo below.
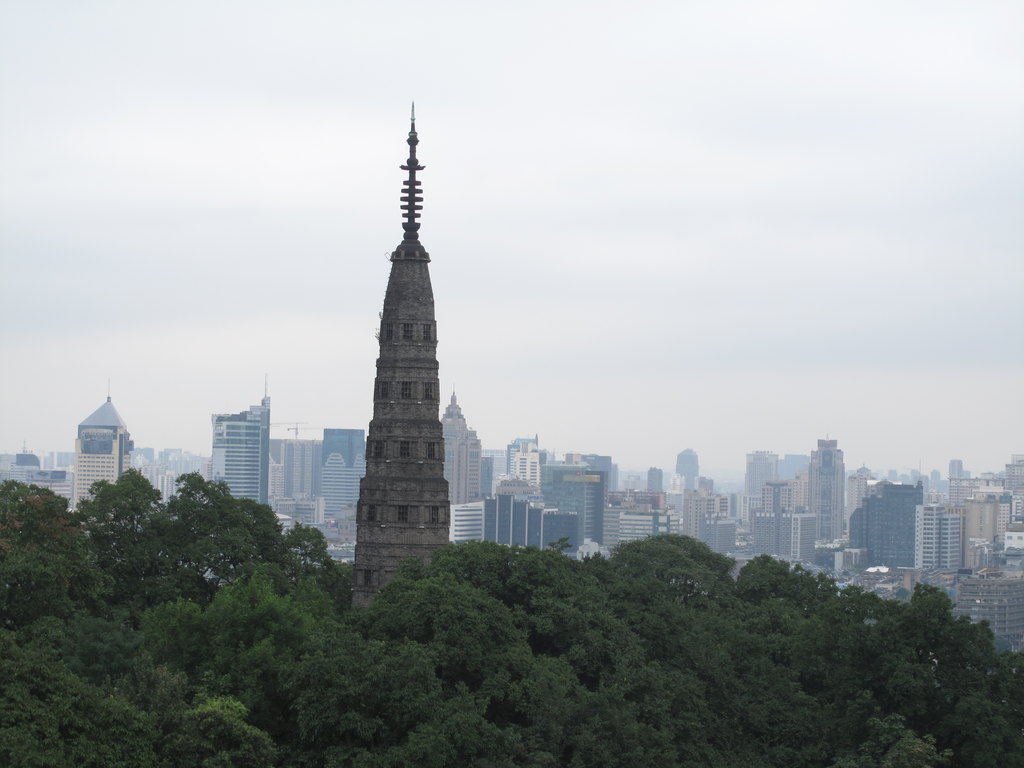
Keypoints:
(653, 225)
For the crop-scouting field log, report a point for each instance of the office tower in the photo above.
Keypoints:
(655, 479)
(342, 466)
(241, 451)
(513, 521)
(856, 489)
(102, 450)
(937, 537)
(826, 489)
(579, 491)
(606, 465)
(792, 464)
(523, 460)
(956, 469)
(688, 467)
(1013, 478)
(493, 463)
(781, 527)
(301, 467)
(461, 455)
(986, 517)
(403, 509)
(762, 467)
(885, 524)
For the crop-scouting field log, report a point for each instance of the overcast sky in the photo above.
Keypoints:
(654, 225)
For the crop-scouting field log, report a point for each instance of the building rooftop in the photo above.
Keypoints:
(105, 416)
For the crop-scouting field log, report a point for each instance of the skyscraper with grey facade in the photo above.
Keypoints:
(461, 455)
(403, 508)
(688, 467)
(827, 489)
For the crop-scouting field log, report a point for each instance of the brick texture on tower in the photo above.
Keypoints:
(403, 509)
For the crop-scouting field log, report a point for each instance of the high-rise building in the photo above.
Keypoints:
(513, 520)
(580, 491)
(342, 466)
(461, 455)
(688, 468)
(826, 489)
(606, 465)
(524, 460)
(956, 469)
(300, 462)
(493, 463)
(241, 451)
(403, 509)
(781, 527)
(102, 450)
(762, 467)
(937, 537)
(885, 524)
(986, 517)
(856, 490)
(655, 479)
(792, 464)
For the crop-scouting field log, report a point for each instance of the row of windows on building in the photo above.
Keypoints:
(407, 332)
(405, 390)
(402, 513)
(405, 449)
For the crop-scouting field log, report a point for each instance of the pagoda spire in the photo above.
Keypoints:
(411, 192)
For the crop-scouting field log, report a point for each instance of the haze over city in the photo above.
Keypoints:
(727, 228)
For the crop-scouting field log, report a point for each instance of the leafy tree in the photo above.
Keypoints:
(250, 635)
(214, 538)
(216, 735)
(124, 521)
(50, 717)
(45, 563)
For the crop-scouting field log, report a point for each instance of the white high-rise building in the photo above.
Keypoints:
(937, 537)
(102, 450)
(856, 490)
(467, 522)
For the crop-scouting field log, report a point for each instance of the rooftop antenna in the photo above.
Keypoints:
(108, 389)
(266, 385)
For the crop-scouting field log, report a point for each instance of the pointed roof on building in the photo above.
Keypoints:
(453, 411)
(105, 416)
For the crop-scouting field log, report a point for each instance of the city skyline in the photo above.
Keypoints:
(728, 229)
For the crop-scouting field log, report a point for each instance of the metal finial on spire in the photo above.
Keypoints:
(411, 191)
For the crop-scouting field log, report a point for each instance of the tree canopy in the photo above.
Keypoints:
(196, 633)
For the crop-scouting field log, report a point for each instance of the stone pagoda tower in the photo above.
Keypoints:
(403, 508)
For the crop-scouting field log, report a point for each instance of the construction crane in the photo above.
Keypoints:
(294, 428)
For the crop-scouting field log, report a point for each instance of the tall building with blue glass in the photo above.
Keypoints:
(343, 464)
(241, 451)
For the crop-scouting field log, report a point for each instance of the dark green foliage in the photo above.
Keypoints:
(45, 561)
(50, 717)
(196, 633)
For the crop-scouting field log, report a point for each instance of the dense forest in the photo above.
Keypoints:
(196, 633)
